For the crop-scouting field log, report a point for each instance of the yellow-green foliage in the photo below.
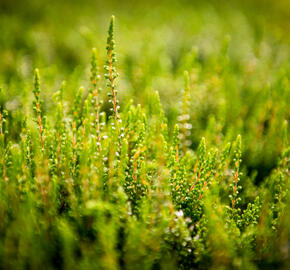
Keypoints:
(188, 179)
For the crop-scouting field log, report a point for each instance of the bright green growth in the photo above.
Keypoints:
(37, 106)
(81, 190)
(110, 68)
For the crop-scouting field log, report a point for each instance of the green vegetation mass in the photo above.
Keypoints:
(162, 143)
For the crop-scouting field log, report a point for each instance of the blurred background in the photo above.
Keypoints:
(237, 54)
(59, 35)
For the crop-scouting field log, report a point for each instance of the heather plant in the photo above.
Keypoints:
(95, 180)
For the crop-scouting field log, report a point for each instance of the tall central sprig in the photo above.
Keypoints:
(111, 74)
(36, 106)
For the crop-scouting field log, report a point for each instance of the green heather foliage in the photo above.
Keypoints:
(197, 179)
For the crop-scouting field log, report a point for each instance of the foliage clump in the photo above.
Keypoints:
(91, 187)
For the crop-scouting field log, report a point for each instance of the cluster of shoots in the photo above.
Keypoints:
(127, 194)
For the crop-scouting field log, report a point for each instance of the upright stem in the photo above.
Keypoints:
(37, 108)
(111, 75)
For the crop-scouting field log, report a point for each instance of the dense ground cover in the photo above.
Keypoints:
(175, 156)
